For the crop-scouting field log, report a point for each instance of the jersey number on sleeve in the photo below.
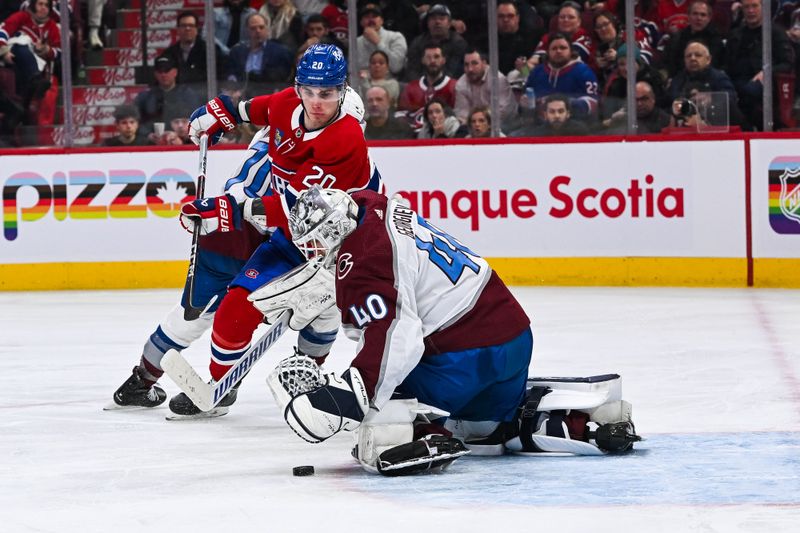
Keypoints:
(374, 308)
(449, 255)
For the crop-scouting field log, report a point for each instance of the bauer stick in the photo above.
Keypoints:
(207, 395)
(190, 312)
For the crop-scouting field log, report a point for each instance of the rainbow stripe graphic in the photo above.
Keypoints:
(28, 214)
(784, 194)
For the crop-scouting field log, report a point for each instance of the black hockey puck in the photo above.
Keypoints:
(303, 471)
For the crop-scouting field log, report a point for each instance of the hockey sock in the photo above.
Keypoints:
(150, 373)
(234, 324)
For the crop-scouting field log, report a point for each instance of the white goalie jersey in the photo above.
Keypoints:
(408, 290)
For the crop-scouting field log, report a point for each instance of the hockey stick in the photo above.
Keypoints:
(207, 395)
(190, 312)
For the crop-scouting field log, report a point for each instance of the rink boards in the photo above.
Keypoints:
(693, 213)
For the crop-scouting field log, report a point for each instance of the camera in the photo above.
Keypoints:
(685, 108)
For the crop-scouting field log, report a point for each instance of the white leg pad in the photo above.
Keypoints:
(380, 430)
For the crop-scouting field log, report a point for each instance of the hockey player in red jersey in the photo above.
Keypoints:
(311, 141)
(438, 333)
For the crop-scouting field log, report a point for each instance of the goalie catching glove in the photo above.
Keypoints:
(307, 290)
(317, 406)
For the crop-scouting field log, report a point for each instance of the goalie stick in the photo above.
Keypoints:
(207, 395)
(190, 312)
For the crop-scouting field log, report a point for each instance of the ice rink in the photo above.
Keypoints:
(713, 375)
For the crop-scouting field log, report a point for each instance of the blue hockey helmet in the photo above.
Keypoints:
(322, 65)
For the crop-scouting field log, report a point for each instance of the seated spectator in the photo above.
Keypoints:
(261, 61)
(700, 28)
(126, 119)
(165, 99)
(569, 24)
(743, 61)
(336, 15)
(616, 90)
(378, 75)
(673, 15)
(318, 32)
(699, 76)
(435, 83)
(558, 120)
(472, 88)
(285, 23)
(230, 23)
(563, 73)
(650, 117)
(514, 44)
(609, 36)
(375, 37)
(381, 124)
(438, 122)
(30, 42)
(438, 32)
(479, 122)
(189, 53)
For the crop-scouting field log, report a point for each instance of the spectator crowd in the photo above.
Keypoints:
(423, 68)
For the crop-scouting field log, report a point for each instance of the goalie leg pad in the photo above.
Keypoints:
(385, 429)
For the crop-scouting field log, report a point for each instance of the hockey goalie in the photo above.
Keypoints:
(441, 368)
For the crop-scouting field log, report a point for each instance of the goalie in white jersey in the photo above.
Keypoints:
(439, 334)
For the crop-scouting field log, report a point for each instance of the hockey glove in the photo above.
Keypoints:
(307, 290)
(213, 214)
(215, 118)
(320, 413)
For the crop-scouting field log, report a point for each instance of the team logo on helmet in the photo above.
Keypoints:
(337, 54)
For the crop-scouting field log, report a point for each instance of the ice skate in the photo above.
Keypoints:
(183, 408)
(136, 393)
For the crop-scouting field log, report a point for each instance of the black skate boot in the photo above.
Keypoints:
(135, 392)
(183, 408)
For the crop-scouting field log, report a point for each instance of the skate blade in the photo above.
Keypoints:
(113, 406)
(213, 413)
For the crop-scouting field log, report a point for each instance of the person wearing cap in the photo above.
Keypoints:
(165, 99)
(189, 52)
(438, 32)
(376, 37)
(126, 119)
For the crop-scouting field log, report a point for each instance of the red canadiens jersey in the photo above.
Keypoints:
(408, 290)
(22, 23)
(332, 157)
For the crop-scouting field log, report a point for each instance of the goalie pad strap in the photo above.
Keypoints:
(529, 417)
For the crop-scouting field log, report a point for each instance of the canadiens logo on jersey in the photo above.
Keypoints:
(344, 266)
(251, 273)
(278, 137)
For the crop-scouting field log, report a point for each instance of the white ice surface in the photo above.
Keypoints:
(713, 375)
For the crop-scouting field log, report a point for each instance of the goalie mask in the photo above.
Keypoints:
(321, 219)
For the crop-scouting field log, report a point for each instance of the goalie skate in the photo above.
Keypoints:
(431, 453)
(136, 394)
